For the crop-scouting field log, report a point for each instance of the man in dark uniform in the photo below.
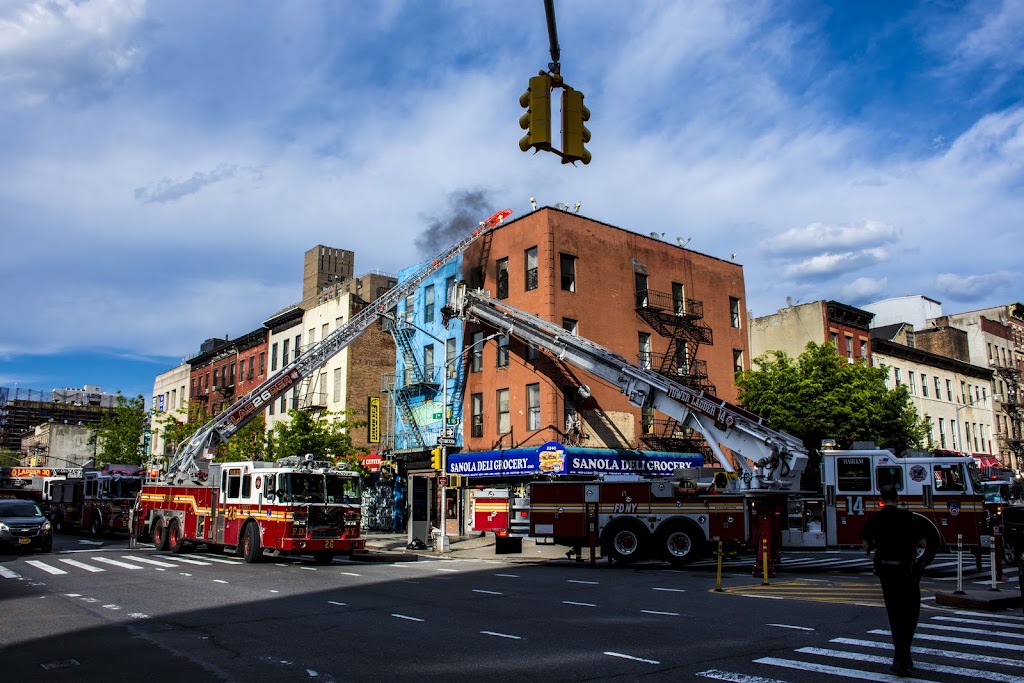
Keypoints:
(895, 534)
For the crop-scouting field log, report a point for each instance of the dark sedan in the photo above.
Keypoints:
(23, 525)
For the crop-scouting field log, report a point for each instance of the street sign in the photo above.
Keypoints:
(448, 431)
(442, 481)
(454, 421)
(446, 441)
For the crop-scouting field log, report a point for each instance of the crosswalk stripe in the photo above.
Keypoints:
(8, 574)
(1010, 617)
(835, 670)
(990, 644)
(186, 560)
(45, 567)
(963, 629)
(83, 565)
(935, 652)
(146, 560)
(980, 622)
(734, 677)
(920, 666)
(116, 563)
(222, 560)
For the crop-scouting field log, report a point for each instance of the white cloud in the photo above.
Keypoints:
(863, 290)
(974, 287)
(819, 237)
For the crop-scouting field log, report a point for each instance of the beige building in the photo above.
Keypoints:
(791, 328)
(170, 397)
(59, 444)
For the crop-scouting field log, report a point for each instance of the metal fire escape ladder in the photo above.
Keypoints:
(183, 466)
(769, 459)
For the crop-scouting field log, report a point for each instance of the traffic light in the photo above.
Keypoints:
(537, 119)
(574, 133)
(435, 459)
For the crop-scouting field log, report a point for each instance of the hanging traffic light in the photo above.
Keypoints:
(435, 459)
(537, 119)
(574, 133)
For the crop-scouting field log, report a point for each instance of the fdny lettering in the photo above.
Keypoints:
(624, 508)
(702, 404)
(261, 399)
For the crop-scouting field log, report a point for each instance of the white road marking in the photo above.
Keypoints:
(219, 581)
(403, 616)
(665, 614)
(116, 563)
(138, 615)
(763, 597)
(350, 574)
(989, 644)
(835, 670)
(1009, 617)
(508, 576)
(112, 607)
(734, 677)
(936, 652)
(631, 657)
(222, 560)
(45, 567)
(85, 542)
(578, 604)
(975, 674)
(83, 565)
(981, 622)
(8, 574)
(444, 569)
(669, 590)
(184, 574)
(501, 635)
(333, 602)
(186, 560)
(981, 631)
(589, 583)
(311, 569)
(798, 628)
(480, 590)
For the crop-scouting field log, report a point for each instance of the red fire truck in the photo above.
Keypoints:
(99, 502)
(292, 506)
(33, 483)
(751, 500)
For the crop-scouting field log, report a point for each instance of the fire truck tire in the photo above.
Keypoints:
(625, 542)
(323, 558)
(933, 543)
(681, 542)
(96, 528)
(252, 551)
(158, 535)
(175, 539)
(57, 523)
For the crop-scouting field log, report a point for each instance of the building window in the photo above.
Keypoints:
(298, 346)
(410, 308)
(284, 404)
(924, 385)
(428, 304)
(533, 407)
(640, 287)
(913, 383)
(324, 331)
(896, 376)
(273, 358)
(567, 264)
(963, 392)
(449, 359)
(501, 398)
(428, 362)
(942, 432)
(570, 396)
(734, 311)
(938, 388)
(531, 269)
(449, 285)
(476, 411)
(949, 390)
(737, 360)
(644, 350)
(647, 416)
(502, 358)
(532, 352)
(501, 275)
(834, 336)
(678, 298)
(337, 385)
(284, 352)
(477, 364)
(570, 325)
(216, 376)
(863, 348)
(849, 347)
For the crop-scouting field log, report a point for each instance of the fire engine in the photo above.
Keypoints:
(305, 506)
(749, 499)
(33, 483)
(99, 501)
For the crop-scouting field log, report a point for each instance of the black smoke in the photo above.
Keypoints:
(466, 208)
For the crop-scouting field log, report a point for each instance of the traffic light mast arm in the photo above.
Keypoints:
(549, 11)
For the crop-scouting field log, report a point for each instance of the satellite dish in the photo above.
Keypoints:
(584, 391)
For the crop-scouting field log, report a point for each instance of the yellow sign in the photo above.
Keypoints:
(373, 420)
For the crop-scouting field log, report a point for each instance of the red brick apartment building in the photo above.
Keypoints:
(674, 310)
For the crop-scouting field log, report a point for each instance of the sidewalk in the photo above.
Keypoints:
(475, 547)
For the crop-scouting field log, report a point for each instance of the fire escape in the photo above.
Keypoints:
(1010, 437)
(680, 320)
(408, 388)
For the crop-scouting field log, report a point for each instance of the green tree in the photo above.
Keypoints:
(178, 427)
(326, 439)
(118, 437)
(248, 443)
(820, 395)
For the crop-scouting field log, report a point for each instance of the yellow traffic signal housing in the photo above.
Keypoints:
(537, 119)
(435, 459)
(574, 133)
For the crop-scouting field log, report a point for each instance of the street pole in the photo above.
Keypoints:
(443, 538)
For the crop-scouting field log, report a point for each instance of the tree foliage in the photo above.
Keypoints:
(118, 437)
(326, 439)
(248, 443)
(820, 395)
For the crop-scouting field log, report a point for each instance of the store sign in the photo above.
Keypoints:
(554, 459)
(373, 420)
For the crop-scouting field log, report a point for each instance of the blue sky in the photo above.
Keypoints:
(166, 165)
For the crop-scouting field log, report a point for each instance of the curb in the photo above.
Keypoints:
(382, 556)
(989, 601)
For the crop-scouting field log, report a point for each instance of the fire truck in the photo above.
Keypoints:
(301, 506)
(33, 483)
(748, 500)
(100, 501)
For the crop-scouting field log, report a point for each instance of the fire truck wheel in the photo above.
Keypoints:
(96, 528)
(625, 542)
(175, 539)
(251, 549)
(323, 558)
(57, 523)
(158, 534)
(1011, 554)
(933, 542)
(681, 543)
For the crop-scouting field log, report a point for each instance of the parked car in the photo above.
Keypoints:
(23, 525)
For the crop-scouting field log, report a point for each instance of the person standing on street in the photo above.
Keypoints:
(895, 534)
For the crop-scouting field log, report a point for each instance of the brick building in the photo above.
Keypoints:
(791, 328)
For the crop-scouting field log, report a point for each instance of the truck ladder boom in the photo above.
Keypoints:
(315, 357)
(769, 459)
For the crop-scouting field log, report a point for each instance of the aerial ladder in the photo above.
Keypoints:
(761, 458)
(183, 466)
